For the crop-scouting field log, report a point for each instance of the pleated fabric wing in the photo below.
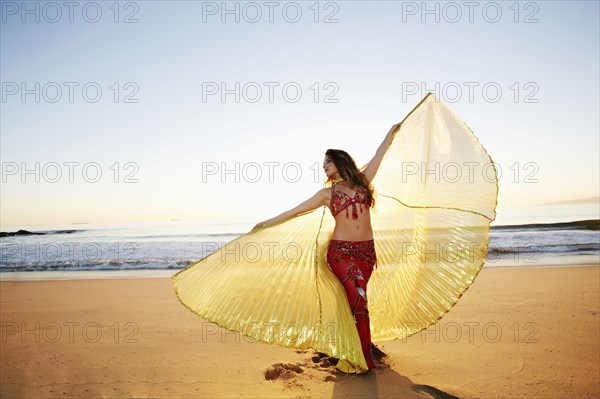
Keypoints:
(274, 285)
(436, 192)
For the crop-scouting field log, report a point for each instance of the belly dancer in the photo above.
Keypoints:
(351, 250)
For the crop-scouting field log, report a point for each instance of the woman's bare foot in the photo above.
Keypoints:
(378, 354)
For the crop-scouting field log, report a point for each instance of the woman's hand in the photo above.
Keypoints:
(395, 127)
(258, 225)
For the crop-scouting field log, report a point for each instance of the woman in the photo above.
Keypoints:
(280, 284)
(351, 251)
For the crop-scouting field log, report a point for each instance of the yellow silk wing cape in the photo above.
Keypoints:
(436, 194)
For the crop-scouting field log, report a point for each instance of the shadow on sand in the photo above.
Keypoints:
(381, 382)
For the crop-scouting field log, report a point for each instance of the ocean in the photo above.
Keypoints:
(562, 235)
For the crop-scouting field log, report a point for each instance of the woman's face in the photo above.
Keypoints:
(330, 169)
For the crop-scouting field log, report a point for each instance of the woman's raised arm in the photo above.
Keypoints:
(373, 166)
(317, 200)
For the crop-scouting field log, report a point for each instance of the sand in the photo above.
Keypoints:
(516, 333)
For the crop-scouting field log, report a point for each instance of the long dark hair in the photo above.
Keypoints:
(348, 171)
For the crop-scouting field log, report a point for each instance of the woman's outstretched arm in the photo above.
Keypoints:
(373, 166)
(317, 200)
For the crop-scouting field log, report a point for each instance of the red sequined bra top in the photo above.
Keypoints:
(340, 201)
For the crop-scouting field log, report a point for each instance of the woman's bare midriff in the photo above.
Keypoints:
(349, 229)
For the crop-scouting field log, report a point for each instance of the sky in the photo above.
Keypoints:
(146, 111)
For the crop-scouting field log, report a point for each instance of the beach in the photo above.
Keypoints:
(296, 171)
(516, 333)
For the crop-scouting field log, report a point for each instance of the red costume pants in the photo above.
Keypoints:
(353, 262)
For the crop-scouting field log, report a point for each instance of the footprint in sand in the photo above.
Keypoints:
(284, 371)
(323, 360)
